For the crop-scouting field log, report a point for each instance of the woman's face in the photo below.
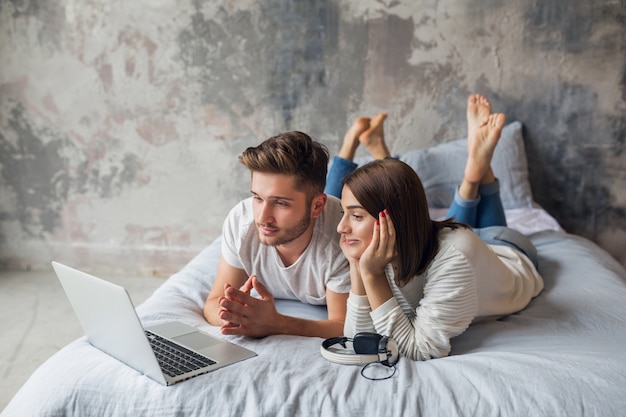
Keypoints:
(356, 226)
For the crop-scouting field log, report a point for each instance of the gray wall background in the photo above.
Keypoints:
(121, 121)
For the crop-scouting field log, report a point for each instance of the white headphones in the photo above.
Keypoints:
(368, 348)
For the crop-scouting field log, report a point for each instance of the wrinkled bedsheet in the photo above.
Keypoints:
(564, 355)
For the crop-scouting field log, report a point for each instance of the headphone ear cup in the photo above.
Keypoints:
(392, 353)
(367, 343)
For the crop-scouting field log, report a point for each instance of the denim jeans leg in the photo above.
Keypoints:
(490, 209)
(339, 170)
(464, 211)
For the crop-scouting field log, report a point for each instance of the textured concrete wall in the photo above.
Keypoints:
(121, 122)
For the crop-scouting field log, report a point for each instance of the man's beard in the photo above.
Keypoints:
(288, 235)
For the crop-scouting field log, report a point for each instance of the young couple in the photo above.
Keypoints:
(392, 270)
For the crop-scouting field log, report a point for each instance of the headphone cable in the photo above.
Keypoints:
(378, 379)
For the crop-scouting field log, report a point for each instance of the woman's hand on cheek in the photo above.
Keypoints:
(381, 249)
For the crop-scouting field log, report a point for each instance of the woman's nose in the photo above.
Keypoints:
(342, 227)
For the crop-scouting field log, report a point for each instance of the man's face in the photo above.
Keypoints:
(281, 213)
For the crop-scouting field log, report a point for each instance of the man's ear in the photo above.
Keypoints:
(318, 204)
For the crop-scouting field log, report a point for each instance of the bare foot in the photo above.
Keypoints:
(374, 137)
(481, 143)
(478, 109)
(351, 138)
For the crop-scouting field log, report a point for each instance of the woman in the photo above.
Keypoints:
(420, 281)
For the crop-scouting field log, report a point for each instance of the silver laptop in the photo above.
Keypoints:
(168, 353)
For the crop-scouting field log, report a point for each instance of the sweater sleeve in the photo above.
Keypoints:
(357, 315)
(447, 309)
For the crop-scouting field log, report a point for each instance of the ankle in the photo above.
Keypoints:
(488, 178)
(348, 149)
(468, 190)
(379, 152)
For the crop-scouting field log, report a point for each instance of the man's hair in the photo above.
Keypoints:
(291, 153)
(393, 185)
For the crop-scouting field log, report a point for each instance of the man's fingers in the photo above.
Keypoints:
(232, 306)
(260, 288)
(229, 324)
(237, 296)
(229, 319)
(247, 286)
(233, 331)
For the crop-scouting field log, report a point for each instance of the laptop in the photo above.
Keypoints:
(167, 353)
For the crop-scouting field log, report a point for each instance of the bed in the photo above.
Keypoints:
(564, 355)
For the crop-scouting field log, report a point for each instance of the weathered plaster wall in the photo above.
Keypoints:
(121, 122)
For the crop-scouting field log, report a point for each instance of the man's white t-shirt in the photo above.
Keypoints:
(322, 265)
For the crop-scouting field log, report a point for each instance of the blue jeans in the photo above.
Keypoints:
(484, 211)
(338, 171)
(485, 214)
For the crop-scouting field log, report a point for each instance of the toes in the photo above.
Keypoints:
(375, 126)
(361, 124)
(378, 119)
(497, 120)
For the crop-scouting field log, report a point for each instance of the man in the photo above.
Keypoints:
(282, 242)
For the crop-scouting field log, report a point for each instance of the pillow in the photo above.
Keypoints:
(441, 169)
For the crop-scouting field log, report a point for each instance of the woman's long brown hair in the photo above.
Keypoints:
(393, 185)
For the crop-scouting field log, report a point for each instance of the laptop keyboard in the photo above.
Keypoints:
(175, 359)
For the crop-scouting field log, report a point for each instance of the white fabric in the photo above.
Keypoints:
(563, 355)
(322, 264)
(466, 281)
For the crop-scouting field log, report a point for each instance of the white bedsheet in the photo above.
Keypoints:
(564, 355)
